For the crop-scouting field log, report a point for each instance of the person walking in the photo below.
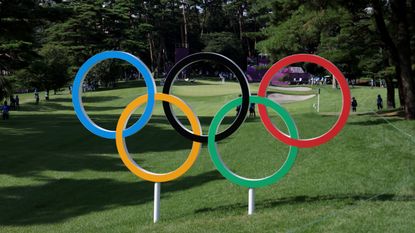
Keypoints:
(252, 112)
(380, 103)
(5, 111)
(12, 103)
(17, 100)
(37, 97)
(238, 108)
(354, 104)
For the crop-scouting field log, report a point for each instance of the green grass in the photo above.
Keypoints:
(55, 176)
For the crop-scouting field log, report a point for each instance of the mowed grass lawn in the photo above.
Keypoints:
(55, 176)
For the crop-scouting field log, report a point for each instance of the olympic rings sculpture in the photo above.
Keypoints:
(213, 136)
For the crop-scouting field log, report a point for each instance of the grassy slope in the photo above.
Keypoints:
(57, 177)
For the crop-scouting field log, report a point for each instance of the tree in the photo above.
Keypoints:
(330, 31)
(224, 43)
(344, 32)
(18, 19)
(5, 88)
(399, 45)
(51, 72)
(84, 33)
(214, 17)
(90, 27)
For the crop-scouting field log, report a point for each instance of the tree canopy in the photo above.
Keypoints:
(44, 42)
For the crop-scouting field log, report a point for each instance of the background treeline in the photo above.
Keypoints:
(43, 42)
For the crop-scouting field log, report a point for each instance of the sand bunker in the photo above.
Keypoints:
(304, 89)
(284, 99)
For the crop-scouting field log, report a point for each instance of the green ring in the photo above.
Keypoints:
(225, 171)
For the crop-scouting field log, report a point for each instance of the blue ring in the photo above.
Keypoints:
(77, 91)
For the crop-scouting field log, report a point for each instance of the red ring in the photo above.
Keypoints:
(346, 100)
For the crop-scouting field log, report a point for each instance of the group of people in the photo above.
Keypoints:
(37, 96)
(14, 105)
(90, 86)
(379, 102)
(318, 81)
(375, 83)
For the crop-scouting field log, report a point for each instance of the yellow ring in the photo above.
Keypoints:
(125, 155)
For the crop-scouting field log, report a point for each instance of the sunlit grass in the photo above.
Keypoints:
(55, 176)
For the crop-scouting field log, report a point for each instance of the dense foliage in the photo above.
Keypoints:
(43, 42)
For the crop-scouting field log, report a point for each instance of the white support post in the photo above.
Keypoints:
(251, 201)
(318, 101)
(156, 214)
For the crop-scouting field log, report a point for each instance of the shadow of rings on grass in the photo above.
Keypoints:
(59, 200)
(348, 199)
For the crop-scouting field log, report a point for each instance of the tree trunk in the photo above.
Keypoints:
(185, 34)
(240, 15)
(400, 87)
(400, 50)
(390, 87)
(399, 10)
(408, 90)
(204, 18)
(151, 48)
(160, 58)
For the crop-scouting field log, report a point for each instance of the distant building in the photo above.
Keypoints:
(291, 75)
(257, 67)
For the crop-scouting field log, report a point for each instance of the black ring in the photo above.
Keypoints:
(228, 63)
